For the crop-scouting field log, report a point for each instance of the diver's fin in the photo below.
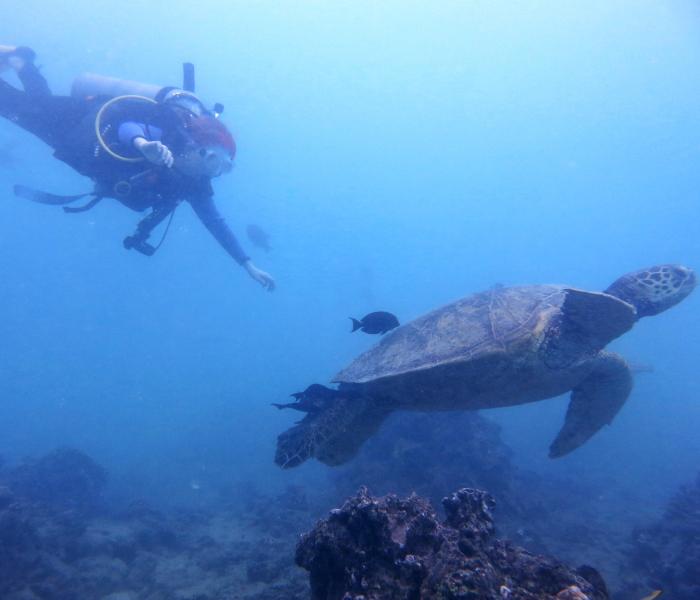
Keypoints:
(594, 403)
(22, 191)
(355, 324)
(589, 322)
(5, 53)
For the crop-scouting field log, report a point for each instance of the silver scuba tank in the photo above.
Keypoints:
(92, 84)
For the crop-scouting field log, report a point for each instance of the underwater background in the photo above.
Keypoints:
(400, 155)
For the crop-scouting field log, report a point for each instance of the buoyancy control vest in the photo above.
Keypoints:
(94, 150)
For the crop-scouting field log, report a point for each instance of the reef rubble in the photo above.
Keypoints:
(390, 548)
(59, 540)
(667, 553)
(432, 454)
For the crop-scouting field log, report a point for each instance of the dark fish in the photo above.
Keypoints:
(316, 390)
(376, 322)
(312, 399)
(259, 237)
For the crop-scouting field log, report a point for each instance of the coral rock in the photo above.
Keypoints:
(63, 478)
(390, 548)
(669, 551)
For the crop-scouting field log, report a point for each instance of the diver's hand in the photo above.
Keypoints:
(154, 152)
(264, 279)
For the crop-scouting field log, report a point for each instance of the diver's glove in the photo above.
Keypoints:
(154, 152)
(264, 279)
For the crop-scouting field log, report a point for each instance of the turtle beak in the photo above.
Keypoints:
(687, 276)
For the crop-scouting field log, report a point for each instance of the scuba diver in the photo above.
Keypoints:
(149, 147)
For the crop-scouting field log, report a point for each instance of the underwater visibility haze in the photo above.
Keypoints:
(391, 156)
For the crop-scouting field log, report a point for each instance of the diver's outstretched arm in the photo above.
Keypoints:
(207, 212)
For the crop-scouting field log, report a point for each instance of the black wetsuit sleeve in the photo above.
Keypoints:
(208, 214)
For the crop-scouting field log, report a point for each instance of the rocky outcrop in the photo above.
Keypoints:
(65, 478)
(390, 548)
(54, 546)
(432, 454)
(668, 552)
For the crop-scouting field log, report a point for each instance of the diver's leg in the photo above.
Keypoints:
(35, 114)
(35, 109)
(50, 118)
(33, 82)
(11, 100)
(21, 60)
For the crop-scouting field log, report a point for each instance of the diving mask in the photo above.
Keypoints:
(204, 161)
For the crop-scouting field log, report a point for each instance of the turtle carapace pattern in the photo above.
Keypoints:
(503, 347)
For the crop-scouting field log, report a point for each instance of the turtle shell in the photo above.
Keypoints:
(497, 320)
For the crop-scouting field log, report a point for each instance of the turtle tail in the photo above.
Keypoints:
(332, 435)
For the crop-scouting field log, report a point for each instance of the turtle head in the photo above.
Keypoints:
(654, 290)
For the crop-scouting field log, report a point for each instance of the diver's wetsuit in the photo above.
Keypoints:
(67, 125)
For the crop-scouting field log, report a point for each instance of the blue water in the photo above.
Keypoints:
(401, 155)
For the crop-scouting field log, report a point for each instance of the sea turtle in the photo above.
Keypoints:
(502, 347)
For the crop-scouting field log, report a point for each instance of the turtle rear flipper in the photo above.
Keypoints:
(594, 403)
(333, 435)
(589, 321)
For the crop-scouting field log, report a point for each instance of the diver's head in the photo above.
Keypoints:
(209, 149)
(184, 104)
(655, 289)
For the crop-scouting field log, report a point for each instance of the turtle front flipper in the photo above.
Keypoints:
(594, 403)
(333, 434)
(587, 323)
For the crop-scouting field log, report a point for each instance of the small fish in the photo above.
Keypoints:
(312, 399)
(654, 595)
(259, 237)
(315, 390)
(376, 322)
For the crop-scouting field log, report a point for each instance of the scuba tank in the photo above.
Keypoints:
(91, 84)
(122, 99)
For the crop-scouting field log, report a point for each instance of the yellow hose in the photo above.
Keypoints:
(98, 127)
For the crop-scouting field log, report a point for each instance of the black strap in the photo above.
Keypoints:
(79, 209)
(147, 225)
(167, 228)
